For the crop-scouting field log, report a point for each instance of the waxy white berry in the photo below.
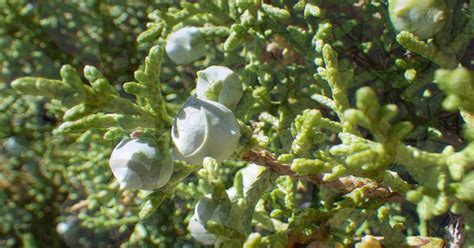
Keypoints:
(220, 84)
(422, 18)
(185, 45)
(204, 129)
(139, 164)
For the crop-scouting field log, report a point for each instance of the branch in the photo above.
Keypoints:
(348, 184)
(265, 158)
(344, 184)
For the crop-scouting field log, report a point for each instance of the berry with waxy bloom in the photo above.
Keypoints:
(422, 18)
(220, 84)
(204, 129)
(208, 210)
(199, 232)
(141, 164)
(185, 45)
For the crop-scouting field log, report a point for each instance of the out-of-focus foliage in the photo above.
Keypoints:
(38, 37)
(49, 179)
(367, 131)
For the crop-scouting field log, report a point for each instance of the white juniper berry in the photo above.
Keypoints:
(422, 18)
(207, 209)
(139, 164)
(185, 45)
(220, 84)
(204, 129)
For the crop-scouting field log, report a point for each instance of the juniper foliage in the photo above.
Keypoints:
(366, 133)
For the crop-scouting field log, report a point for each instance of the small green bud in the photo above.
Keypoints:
(78, 111)
(311, 10)
(286, 158)
(275, 12)
(388, 112)
(235, 37)
(401, 129)
(71, 77)
(91, 73)
(135, 89)
(336, 171)
(367, 102)
(307, 166)
(151, 34)
(113, 133)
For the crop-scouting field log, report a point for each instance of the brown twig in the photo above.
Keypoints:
(267, 159)
(344, 184)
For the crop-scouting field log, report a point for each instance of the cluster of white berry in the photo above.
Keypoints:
(204, 127)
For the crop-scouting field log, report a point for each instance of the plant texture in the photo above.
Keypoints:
(249, 123)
